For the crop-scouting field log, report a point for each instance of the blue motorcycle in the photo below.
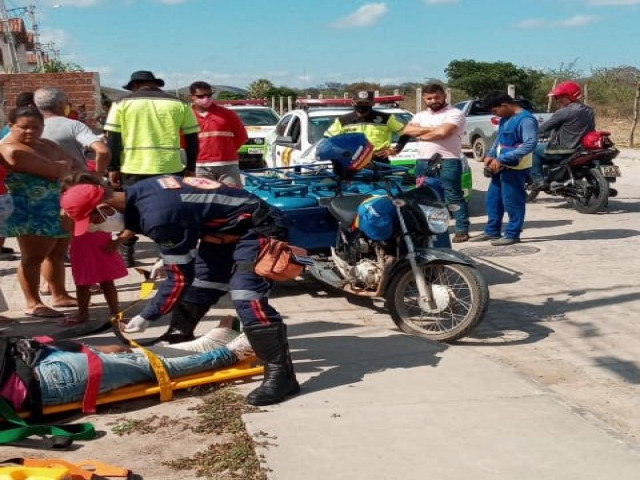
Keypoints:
(377, 236)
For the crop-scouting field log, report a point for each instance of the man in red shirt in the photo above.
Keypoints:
(221, 134)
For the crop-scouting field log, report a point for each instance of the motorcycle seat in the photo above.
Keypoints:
(345, 209)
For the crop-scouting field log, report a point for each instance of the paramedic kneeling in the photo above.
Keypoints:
(209, 239)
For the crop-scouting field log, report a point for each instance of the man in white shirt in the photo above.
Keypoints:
(438, 130)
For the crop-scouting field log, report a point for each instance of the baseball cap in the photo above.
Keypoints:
(364, 96)
(78, 202)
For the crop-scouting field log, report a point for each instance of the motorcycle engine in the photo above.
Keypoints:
(364, 272)
(368, 273)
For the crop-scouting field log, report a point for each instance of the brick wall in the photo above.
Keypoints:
(80, 87)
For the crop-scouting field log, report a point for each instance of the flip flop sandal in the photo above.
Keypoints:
(45, 312)
(71, 321)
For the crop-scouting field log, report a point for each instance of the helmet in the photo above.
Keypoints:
(570, 89)
(348, 152)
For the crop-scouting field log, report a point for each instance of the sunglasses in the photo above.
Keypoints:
(204, 95)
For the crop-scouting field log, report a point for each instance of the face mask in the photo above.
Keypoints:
(203, 102)
(363, 108)
(112, 223)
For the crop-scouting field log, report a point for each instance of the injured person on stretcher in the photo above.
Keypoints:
(62, 375)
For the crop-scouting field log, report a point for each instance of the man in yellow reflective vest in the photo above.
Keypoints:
(377, 126)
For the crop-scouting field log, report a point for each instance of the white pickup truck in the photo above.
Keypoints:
(481, 126)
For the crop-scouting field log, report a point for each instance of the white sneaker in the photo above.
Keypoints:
(215, 338)
(241, 347)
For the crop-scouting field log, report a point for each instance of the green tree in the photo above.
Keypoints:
(227, 95)
(481, 78)
(57, 66)
(260, 88)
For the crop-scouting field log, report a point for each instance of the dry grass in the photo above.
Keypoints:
(620, 129)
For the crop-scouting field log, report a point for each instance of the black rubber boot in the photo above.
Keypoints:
(184, 319)
(269, 342)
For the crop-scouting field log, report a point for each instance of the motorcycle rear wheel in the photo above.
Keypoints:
(461, 295)
(595, 189)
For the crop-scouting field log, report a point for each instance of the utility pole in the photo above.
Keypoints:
(9, 40)
(37, 46)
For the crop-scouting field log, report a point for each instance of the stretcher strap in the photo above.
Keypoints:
(162, 377)
(92, 388)
(61, 435)
(94, 370)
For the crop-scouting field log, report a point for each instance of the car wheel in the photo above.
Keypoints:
(479, 148)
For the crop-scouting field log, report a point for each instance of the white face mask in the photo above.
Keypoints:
(112, 223)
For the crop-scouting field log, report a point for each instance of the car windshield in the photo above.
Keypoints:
(319, 125)
(256, 118)
(404, 118)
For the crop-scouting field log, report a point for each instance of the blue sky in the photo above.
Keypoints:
(302, 43)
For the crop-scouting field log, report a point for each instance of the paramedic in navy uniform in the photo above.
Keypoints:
(207, 236)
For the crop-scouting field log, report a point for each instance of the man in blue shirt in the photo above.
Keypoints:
(507, 163)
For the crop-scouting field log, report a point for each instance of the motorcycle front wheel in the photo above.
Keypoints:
(593, 192)
(461, 298)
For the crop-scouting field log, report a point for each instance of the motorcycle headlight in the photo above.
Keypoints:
(437, 218)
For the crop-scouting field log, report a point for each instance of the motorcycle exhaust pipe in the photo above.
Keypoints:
(613, 192)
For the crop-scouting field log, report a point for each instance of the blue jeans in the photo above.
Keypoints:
(215, 275)
(540, 157)
(506, 194)
(63, 375)
(450, 176)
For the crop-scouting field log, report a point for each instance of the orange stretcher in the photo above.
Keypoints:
(244, 369)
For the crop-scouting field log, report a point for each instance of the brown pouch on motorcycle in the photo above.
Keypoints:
(279, 261)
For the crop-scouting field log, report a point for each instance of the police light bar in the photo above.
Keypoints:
(345, 102)
(324, 102)
(245, 101)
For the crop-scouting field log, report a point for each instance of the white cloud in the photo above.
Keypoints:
(613, 2)
(575, 21)
(532, 23)
(60, 38)
(572, 22)
(366, 16)
(439, 2)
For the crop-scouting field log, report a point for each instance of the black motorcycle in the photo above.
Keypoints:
(584, 178)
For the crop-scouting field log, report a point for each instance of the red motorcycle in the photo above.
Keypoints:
(584, 178)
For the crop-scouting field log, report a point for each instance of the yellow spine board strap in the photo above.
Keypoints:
(162, 377)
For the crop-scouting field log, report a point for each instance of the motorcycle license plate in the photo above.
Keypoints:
(254, 151)
(610, 170)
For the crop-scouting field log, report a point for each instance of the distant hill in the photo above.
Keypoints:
(114, 94)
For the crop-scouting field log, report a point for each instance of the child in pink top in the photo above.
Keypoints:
(95, 259)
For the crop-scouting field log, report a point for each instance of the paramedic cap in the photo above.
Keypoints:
(78, 202)
(352, 151)
(364, 96)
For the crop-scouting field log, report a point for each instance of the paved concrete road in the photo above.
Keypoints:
(546, 388)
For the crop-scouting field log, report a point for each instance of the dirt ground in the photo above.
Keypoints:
(620, 130)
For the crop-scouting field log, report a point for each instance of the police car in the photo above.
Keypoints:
(293, 141)
(259, 120)
(296, 134)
